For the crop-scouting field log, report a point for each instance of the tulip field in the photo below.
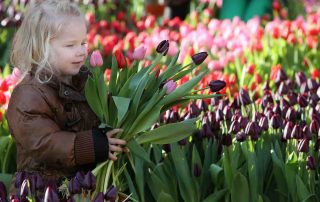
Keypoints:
(222, 109)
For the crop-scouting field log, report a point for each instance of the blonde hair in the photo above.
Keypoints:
(31, 46)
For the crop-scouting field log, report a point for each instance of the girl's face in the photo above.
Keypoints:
(69, 48)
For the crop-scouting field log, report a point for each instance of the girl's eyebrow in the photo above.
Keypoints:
(74, 41)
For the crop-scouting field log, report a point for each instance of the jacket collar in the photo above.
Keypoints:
(73, 91)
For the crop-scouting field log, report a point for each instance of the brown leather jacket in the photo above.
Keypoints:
(54, 127)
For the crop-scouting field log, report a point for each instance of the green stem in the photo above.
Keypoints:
(6, 158)
(108, 174)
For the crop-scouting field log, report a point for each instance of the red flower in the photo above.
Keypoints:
(121, 60)
(251, 68)
(274, 71)
(3, 98)
(315, 74)
(276, 6)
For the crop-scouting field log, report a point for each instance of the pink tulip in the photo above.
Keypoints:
(96, 59)
(171, 86)
(139, 53)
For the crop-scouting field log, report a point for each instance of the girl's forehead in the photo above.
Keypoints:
(75, 27)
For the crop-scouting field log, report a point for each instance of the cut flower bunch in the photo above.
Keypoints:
(134, 98)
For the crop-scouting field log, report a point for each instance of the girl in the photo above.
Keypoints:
(56, 132)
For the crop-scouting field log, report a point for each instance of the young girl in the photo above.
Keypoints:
(55, 131)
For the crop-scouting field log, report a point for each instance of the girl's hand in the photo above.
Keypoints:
(115, 143)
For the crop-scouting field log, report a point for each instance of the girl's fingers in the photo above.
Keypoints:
(112, 157)
(113, 132)
(117, 141)
(113, 148)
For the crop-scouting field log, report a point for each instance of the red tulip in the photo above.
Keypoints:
(121, 60)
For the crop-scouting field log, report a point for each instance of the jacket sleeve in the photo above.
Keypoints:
(31, 122)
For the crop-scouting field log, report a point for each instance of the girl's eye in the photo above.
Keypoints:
(70, 45)
(84, 43)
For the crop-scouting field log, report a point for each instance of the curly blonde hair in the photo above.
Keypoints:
(42, 22)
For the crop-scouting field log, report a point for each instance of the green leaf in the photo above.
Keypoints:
(93, 98)
(240, 189)
(302, 191)
(122, 105)
(186, 185)
(138, 94)
(217, 196)
(6, 179)
(199, 96)
(130, 184)
(113, 77)
(183, 90)
(169, 133)
(164, 197)
(138, 151)
(215, 172)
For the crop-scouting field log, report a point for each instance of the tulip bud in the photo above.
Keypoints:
(163, 47)
(288, 130)
(303, 146)
(281, 76)
(226, 140)
(263, 123)
(243, 122)
(196, 170)
(241, 136)
(111, 194)
(244, 97)
(183, 142)
(292, 96)
(234, 127)
(306, 132)
(170, 86)
(25, 188)
(89, 182)
(139, 53)
(314, 127)
(283, 89)
(199, 57)
(291, 114)
(99, 197)
(20, 176)
(312, 84)
(203, 106)
(173, 117)
(300, 78)
(74, 186)
(51, 195)
(303, 100)
(96, 59)
(217, 85)
(166, 148)
(296, 132)
(311, 165)
(80, 177)
(121, 60)
(194, 110)
(227, 113)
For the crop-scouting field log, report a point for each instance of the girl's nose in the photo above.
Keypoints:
(82, 51)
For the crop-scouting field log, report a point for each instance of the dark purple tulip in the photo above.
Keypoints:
(292, 97)
(198, 58)
(89, 181)
(253, 130)
(318, 91)
(219, 115)
(173, 117)
(306, 132)
(203, 106)
(74, 186)
(227, 113)
(217, 85)
(291, 114)
(235, 104)
(263, 123)
(194, 110)
(241, 136)
(303, 100)
(99, 197)
(314, 127)
(234, 127)
(111, 194)
(311, 165)
(80, 177)
(312, 84)
(300, 78)
(3, 192)
(281, 76)
(303, 146)
(283, 89)
(163, 47)
(304, 88)
(296, 132)
(20, 176)
(196, 170)
(235, 116)
(266, 86)
(226, 140)
(288, 130)
(51, 195)
(208, 131)
(244, 97)
(243, 122)
(313, 99)
(276, 109)
(276, 121)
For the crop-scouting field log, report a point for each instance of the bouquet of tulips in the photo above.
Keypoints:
(134, 98)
